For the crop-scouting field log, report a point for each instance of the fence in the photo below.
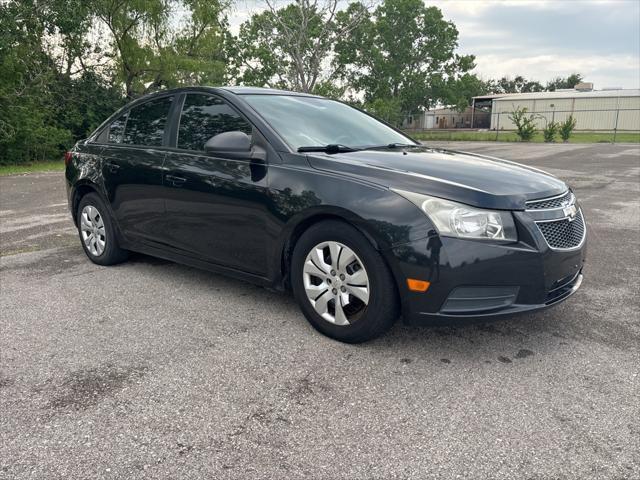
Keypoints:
(594, 125)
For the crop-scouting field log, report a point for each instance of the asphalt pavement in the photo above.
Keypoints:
(155, 370)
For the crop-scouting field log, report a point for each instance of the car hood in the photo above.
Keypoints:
(477, 180)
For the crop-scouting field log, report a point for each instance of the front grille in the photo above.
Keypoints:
(548, 203)
(563, 233)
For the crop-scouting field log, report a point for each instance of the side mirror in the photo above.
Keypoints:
(235, 145)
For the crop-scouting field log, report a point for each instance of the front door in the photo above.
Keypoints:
(215, 206)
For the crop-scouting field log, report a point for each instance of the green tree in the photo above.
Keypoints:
(68, 21)
(460, 91)
(330, 89)
(28, 128)
(80, 103)
(59, 79)
(403, 51)
(201, 46)
(560, 82)
(518, 84)
(290, 47)
(387, 109)
(138, 29)
(151, 50)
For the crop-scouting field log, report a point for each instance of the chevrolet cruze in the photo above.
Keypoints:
(295, 191)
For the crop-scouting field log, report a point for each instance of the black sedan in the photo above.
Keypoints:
(299, 192)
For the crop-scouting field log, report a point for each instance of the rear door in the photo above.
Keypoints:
(132, 169)
(216, 206)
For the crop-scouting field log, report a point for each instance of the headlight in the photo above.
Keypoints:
(458, 220)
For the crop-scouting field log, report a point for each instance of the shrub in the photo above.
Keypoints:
(550, 131)
(566, 128)
(525, 124)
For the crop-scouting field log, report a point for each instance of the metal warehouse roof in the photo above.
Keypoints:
(564, 94)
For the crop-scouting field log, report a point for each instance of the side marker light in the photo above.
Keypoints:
(417, 285)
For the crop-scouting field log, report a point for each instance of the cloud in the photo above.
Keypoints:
(540, 39)
(546, 39)
(604, 71)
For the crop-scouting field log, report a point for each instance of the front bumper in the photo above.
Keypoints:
(480, 280)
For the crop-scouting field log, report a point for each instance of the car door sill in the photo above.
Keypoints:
(166, 254)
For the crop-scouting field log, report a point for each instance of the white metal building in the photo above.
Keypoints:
(593, 110)
(447, 118)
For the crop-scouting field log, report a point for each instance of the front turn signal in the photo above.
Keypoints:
(417, 285)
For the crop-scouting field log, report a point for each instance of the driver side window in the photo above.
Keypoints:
(204, 116)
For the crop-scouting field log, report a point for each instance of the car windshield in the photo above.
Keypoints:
(309, 121)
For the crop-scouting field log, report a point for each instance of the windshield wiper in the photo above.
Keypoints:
(392, 145)
(330, 148)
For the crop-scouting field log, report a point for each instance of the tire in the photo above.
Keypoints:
(97, 232)
(317, 283)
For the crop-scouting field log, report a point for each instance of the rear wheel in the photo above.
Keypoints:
(97, 232)
(342, 284)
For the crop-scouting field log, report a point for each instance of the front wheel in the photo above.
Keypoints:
(342, 284)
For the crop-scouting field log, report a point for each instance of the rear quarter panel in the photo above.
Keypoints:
(84, 170)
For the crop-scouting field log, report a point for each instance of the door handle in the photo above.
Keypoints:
(113, 167)
(175, 181)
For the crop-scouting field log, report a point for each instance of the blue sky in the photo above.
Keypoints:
(540, 39)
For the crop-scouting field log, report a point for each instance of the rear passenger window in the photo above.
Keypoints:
(116, 129)
(203, 117)
(146, 123)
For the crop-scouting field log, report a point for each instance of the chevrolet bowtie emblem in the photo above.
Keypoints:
(570, 211)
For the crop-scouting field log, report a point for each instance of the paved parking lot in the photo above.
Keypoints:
(156, 370)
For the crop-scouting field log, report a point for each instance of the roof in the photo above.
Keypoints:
(263, 91)
(564, 94)
(232, 90)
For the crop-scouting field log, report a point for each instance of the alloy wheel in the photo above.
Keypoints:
(336, 282)
(92, 230)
